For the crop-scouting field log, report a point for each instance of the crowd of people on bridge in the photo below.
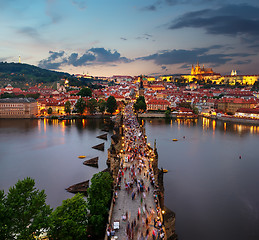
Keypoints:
(136, 177)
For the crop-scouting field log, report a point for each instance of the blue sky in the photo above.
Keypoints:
(131, 37)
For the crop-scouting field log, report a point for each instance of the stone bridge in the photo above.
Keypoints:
(137, 209)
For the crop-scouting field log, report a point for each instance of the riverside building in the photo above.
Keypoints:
(18, 108)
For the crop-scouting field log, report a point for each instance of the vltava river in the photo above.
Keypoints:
(47, 151)
(213, 192)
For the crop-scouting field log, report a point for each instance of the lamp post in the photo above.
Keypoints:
(163, 215)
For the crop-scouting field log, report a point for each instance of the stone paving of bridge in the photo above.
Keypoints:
(124, 203)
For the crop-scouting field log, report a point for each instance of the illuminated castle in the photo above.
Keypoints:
(201, 71)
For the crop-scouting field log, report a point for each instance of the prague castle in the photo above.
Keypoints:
(201, 71)
(208, 75)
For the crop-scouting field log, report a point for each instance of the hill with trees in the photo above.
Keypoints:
(22, 75)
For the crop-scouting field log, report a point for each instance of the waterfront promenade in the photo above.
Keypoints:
(136, 211)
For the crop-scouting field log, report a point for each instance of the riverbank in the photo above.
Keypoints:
(234, 119)
(70, 117)
(162, 115)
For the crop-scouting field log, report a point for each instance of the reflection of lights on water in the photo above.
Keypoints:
(45, 124)
(205, 123)
(63, 126)
(39, 125)
(178, 123)
(213, 126)
(225, 126)
(239, 127)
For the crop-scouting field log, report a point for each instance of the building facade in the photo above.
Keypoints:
(231, 105)
(157, 104)
(18, 108)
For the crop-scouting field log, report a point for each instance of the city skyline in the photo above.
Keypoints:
(105, 38)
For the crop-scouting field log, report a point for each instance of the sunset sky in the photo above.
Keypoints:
(131, 37)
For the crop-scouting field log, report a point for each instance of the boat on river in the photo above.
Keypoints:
(175, 139)
(165, 170)
(81, 156)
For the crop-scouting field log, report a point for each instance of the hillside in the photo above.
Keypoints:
(20, 74)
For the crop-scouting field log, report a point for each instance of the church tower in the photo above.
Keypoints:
(19, 59)
(192, 72)
(141, 87)
(197, 68)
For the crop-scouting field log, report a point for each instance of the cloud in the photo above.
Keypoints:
(182, 56)
(144, 36)
(53, 11)
(152, 7)
(164, 68)
(29, 31)
(160, 3)
(81, 4)
(230, 20)
(93, 56)
(54, 61)
(239, 62)
(124, 39)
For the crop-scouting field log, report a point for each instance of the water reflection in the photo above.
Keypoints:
(47, 150)
(80, 124)
(206, 170)
(24, 124)
(206, 125)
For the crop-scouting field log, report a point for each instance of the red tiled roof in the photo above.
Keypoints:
(158, 102)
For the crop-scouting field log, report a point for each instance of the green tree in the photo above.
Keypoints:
(23, 211)
(67, 107)
(196, 110)
(140, 104)
(91, 105)
(185, 105)
(168, 113)
(80, 105)
(33, 95)
(99, 198)
(85, 92)
(101, 105)
(7, 95)
(111, 104)
(50, 110)
(4, 217)
(69, 221)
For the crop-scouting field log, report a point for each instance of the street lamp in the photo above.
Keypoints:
(163, 212)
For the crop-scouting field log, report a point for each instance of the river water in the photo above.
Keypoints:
(213, 191)
(47, 151)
